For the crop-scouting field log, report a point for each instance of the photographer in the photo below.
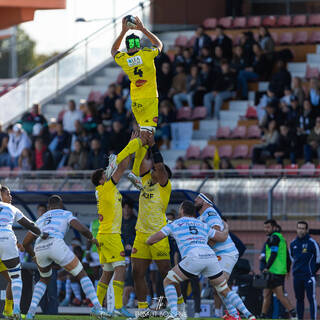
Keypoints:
(277, 266)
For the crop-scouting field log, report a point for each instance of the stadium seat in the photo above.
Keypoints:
(312, 72)
(240, 151)
(226, 22)
(239, 132)
(236, 39)
(254, 132)
(314, 20)
(284, 21)
(32, 187)
(181, 41)
(208, 152)
(16, 172)
(223, 133)
(318, 170)
(95, 96)
(258, 170)
(193, 152)
(199, 113)
(286, 38)
(291, 169)
(5, 172)
(301, 37)
(307, 169)
(251, 113)
(46, 187)
(225, 151)
(210, 23)
(276, 170)
(315, 37)
(77, 187)
(299, 20)
(239, 22)
(254, 22)
(194, 166)
(269, 21)
(242, 169)
(184, 114)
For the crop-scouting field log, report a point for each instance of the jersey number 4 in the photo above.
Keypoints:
(138, 72)
(193, 230)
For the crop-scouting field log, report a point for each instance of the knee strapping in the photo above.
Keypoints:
(46, 274)
(15, 273)
(77, 270)
(173, 277)
(221, 286)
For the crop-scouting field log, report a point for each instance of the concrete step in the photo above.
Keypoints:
(239, 105)
(101, 81)
(76, 97)
(318, 49)
(313, 58)
(297, 66)
(86, 89)
(111, 73)
(52, 110)
(172, 155)
(230, 116)
(199, 135)
(298, 74)
(263, 85)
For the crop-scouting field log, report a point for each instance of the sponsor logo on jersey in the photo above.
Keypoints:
(100, 217)
(134, 61)
(140, 83)
(148, 195)
(155, 119)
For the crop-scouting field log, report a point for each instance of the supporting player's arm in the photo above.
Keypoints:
(84, 231)
(28, 224)
(117, 42)
(156, 238)
(219, 236)
(156, 42)
(27, 243)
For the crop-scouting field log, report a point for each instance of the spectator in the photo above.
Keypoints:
(314, 92)
(286, 146)
(39, 130)
(90, 118)
(224, 42)
(238, 60)
(78, 158)
(305, 255)
(298, 90)
(205, 56)
(29, 119)
(305, 122)
(18, 140)
(206, 165)
(180, 164)
(225, 164)
(206, 80)
(286, 99)
(268, 98)
(312, 148)
(81, 135)
(71, 116)
(96, 158)
(41, 157)
(193, 81)
(120, 114)
(247, 41)
(161, 59)
(104, 138)
(265, 40)
(187, 59)
(281, 79)
(179, 81)
(277, 265)
(164, 80)
(4, 154)
(294, 112)
(109, 102)
(218, 57)
(270, 115)
(253, 72)
(202, 40)
(118, 138)
(267, 147)
(223, 88)
(25, 160)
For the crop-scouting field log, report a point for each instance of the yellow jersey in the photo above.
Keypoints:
(153, 203)
(109, 203)
(141, 71)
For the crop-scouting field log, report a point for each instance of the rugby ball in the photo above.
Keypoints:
(131, 21)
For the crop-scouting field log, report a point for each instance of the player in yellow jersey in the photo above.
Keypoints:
(111, 251)
(153, 203)
(138, 64)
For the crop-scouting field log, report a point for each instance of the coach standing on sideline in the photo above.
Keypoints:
(305, 254)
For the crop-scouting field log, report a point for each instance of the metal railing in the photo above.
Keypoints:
(62, 71)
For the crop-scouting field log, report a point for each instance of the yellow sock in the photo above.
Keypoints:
(139, 156)
(102, 289)
(118, 293)
(132, 147)
(142, 305)
(180, 300)
(8, 307)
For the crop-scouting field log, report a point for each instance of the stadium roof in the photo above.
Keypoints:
(13, 12)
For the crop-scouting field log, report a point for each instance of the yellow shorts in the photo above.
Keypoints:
(158, 251)
(2, 267)
(146, 111)
(110, 248)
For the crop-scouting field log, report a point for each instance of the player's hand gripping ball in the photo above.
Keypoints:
(131, 21)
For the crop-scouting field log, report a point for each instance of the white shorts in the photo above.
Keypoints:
(228, 262)
(53, 250)
(95, 260)
(8, 246)
(206, 264)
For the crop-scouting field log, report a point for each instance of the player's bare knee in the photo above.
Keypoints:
(222, 287)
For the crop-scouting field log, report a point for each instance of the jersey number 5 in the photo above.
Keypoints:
(138, 72)
(193, 230)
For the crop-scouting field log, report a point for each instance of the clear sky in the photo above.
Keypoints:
(55, 30)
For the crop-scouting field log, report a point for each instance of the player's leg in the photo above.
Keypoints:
(8, 307)
(298, 286)
(284, 300)
(267, 296)
(310, 285)
(103, 284)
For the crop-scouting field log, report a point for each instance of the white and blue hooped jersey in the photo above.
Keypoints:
(212, 218)
(55, 222)
(9, 214)
(191, 236)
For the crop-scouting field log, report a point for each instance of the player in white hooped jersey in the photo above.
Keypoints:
(9, 253)
(56, 222)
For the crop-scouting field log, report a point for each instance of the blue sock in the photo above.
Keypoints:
(38, 292)
(234, 300)
(89, 291)
(16, 287)
(172, 298)
(68, 289)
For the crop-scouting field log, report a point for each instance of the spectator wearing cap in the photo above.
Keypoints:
(281, 79)
(224, 42)
(312, 147)
(18, 140)
(202, 40)
(287, 145)
(96, 157)
(179, 81)
(223, 88)
(71, 116)
(298, 89)
(315, 92)
(41, 157)
(29, 119)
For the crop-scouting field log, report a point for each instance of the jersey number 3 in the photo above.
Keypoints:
(138, 72)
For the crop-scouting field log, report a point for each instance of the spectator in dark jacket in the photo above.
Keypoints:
(305, 122)
(78, 158)
(109, 102)
(205, 56)
(42, 158)
(224, 42)
(238, 60)
(247, 41)
(202, 40)
(29, 119)
(128, 231)
(104, 136)
(120, 114)
(118, 138)
(312, 148)
(286, 146)
(206, 79)
(281, 79)
(164, 80)
(96, 158)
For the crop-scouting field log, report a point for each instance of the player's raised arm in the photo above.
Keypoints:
(156, 238)
(117, 42)
(151, 36)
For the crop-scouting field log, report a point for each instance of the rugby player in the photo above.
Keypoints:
(111, 250)
(9, 253)
(138, 64)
